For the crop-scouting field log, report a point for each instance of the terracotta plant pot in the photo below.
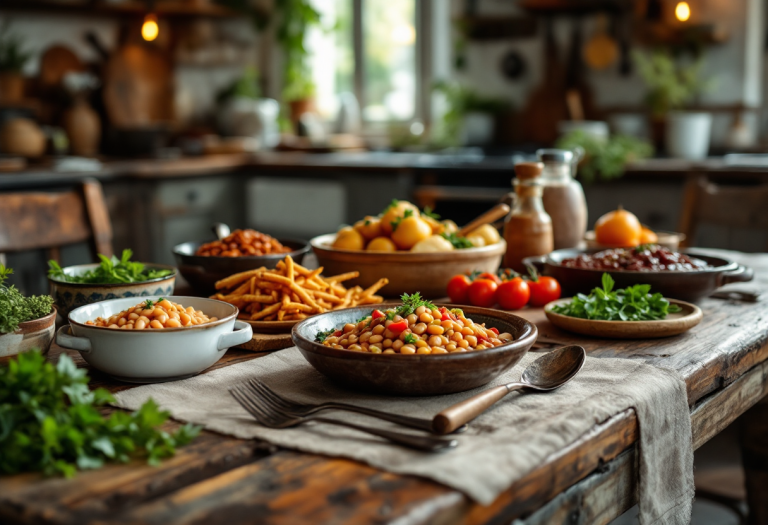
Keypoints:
(298, 108)
(37, 333)
(83, 128)
(11, 87)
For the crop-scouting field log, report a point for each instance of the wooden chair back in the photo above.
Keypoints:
(33, 221)
(731, 206)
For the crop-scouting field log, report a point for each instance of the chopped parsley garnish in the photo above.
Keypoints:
(457, 311)
(410, 339)
(458, 242)
(411, 303)
(391, 315)
(396, 222)
(322, 336)
(429, 213)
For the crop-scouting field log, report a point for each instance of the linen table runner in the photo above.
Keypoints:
(500, 447)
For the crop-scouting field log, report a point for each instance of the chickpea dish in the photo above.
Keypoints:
(154, 315)
(415, 327)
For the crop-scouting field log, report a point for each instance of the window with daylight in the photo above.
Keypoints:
(366, 47)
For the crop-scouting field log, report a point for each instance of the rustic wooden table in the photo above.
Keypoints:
(219, 479)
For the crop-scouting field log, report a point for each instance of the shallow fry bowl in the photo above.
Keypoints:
(413, 375)
(427, 273)
(152, 356)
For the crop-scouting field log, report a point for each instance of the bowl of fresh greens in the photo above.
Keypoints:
(112, 278)
(25, 322)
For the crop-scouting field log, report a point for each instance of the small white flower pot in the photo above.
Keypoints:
(688, 134)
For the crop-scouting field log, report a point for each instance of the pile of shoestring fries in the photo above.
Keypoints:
(292, 292)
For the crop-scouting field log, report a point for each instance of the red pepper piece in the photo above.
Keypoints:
(377, 313)
(337, 333)
(494, 330)
(398, 326)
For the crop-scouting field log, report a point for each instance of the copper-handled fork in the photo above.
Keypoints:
(295, 408)
(268, 416)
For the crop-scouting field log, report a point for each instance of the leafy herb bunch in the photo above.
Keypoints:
(15, 308)
(50, 421)
(634, 303)
(110, 271)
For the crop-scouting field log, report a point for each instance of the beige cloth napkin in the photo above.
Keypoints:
(500, 447)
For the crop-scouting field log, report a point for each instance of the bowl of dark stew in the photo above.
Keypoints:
(687, 275)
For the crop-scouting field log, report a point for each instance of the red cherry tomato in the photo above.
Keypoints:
(376, 314)
(482, 292)
(487, 275)
(544, 290)
(398, 326)
(458, 287)
(513, 295)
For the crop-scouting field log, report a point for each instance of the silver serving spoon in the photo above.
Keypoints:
(220, 230)
(548, 372)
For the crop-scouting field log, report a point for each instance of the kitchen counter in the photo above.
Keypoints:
(40, 176)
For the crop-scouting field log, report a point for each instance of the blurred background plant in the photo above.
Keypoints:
(13, 57)
(670, 84)
(605, 159)
(461, 101)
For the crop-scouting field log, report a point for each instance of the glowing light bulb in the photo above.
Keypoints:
(682, 11)
(150, 29)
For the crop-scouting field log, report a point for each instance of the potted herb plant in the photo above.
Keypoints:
(25, 322)
(470, 118)
(13, 57)
(671, 87)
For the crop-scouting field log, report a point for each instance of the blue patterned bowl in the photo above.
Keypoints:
(68, 296)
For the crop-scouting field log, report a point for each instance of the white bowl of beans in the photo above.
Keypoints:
(394, 362)
(153, 339)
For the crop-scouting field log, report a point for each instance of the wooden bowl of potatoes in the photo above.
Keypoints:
(408, 272)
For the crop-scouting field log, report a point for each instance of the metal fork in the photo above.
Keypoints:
(302, 409)
(270, 417)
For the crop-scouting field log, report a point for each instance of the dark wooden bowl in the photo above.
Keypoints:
(687, 286)
(413, 375)
(202, 272)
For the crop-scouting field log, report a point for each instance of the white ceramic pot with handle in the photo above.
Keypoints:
(153, 356)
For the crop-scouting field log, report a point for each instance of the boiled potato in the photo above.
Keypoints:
(487, 232)
(449, 227)
(395, 211)
(437, 226)
(369, 228)
(410, 231)
(349, 239)
(478, 241)
(381, 244)
(433, 243)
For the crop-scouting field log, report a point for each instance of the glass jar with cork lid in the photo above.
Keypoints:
(528, 230)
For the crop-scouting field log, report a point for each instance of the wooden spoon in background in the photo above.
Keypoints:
(494, 214)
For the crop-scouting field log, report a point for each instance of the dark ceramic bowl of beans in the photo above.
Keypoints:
(413, 375)
(202, 271)
(690, 285)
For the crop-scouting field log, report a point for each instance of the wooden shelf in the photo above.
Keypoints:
(176, 8)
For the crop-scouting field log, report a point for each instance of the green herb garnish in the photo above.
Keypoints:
(457, 311)
(411, 303)
(391, 315)
(50, 421)
(110, 271)
(410, 339)
(458, 242)
(15, 308)
(392, 204)
(429, 213)
(634, 303)
(396, 222)
(322, 336)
